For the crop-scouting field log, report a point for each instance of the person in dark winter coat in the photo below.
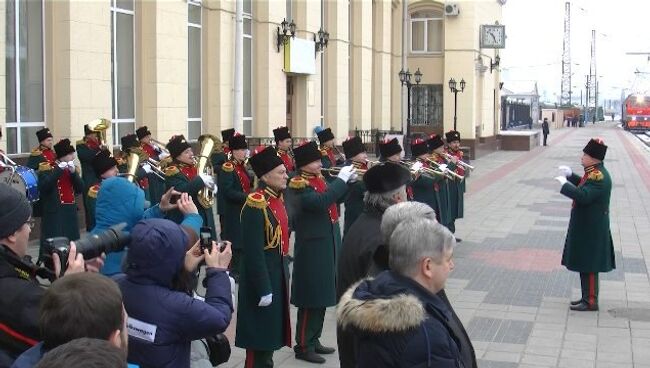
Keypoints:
(364, 244)
(162, 320)
(397, 318)
(545, 129)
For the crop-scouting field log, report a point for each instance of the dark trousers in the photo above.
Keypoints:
(452, 227)
(545, 135)
(258, 359)
(308, 329)
(589, 286)
(235, 262)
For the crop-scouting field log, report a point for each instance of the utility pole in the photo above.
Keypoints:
(238, 96)
(565, 95)
(592, 98)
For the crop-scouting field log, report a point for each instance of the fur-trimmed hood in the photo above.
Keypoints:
(388, 303)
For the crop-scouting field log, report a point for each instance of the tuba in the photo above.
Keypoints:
(204, 166)
(132, 164)
(100, 126)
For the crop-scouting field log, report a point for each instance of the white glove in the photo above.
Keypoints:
(417, 166)
(163, 155)
(147, 168)
(443, 167)
(208, 181)
(346, 173)
(561, 179)
(63, 165)
(565, 170)
(266, 300)
(71, 166)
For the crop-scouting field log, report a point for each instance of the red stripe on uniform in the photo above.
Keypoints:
(17, 335)
(302, 331)
(250, 358)
(592, 289)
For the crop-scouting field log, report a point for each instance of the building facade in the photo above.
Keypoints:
(171, 65)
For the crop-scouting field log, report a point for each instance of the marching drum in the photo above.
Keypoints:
(22, 179)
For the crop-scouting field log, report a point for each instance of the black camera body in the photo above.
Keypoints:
(205, 238)
(114, 239)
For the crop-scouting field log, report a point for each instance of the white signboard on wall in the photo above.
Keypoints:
(299, 56)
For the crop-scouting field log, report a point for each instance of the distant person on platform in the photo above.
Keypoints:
(588, 248)
(545, 129)
(530, 123)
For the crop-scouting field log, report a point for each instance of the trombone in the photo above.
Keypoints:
(448, 173)
(159, 146)
(462, 163)
(423, 170)
(337, 169)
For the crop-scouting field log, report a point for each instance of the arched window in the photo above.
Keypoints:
(427, 36)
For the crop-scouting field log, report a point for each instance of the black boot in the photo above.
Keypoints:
(320, 349)
(311, 357)
(576, 302)
(584, 307)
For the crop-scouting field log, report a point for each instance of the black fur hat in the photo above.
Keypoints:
(281, 133)
(419, 147)
(63, 147)
(306, 154)
(452, 135)
(435, 141)
(102, 162)
(226, 134)
(43, 134)
(596, 148)
(385, 177)
(264, 161)
(176, 145)
(325, 135)
(389, 148)
(237, 141)
(353, 146)
(129, 141)
(142, 132)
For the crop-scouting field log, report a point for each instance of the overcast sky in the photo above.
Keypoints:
(533, 51)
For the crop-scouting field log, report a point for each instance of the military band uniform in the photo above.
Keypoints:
(86, 151)
(589, 248)
(218, 159)
(130, 145)
(235, 185)
(426, 188)
(184, 178)
(444, 214)
(264, 271)
(318, 239)
(156, 185)
(39, 155)
(58, 189)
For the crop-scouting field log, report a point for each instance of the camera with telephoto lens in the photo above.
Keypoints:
(114, 239)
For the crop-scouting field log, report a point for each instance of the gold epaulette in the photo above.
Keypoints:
(228, 167)
(171, 170)
(36, 152)
(256, 200)
(595, 175)
(80, 142)
(92, 192)
(44, 166)
(323, 152)
(298, 182)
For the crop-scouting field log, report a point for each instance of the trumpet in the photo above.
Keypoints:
(423, 170)
(339, 155)
(337, 169)
(462, 163)
(204, 166)
(448, 173)
(155, 167)
(159, 146)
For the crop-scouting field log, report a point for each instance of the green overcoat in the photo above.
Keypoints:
(424, 191)
(317, 244)
(589, 246)
(181, 183)
(264, 270)
(86, 155)
(59, 219)
(234, 197)
(353, 203)
(218, 159)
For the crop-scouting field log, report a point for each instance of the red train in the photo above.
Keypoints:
(636, 112)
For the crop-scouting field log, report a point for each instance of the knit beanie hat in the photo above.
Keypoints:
(14, 212)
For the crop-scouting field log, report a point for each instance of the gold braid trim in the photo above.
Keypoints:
(256, 200)
(228, 167)
(171, 170)
(44, 166)
(596, 175)
(298, 182)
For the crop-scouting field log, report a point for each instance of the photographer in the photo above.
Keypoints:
(20, 290)
(120, 201)
(163, 321)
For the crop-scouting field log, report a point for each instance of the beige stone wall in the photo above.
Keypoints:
(337, 92)
(359, 80)
(161, 56)
(77, 65)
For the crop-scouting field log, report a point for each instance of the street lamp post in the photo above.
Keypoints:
(454, 90)
(405, 79)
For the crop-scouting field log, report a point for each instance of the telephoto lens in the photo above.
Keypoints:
(114, 239)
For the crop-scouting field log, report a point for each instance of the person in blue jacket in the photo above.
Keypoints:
(120, 201)
(163, 321)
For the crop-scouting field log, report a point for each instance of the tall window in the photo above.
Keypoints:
(426, 105)
(248, 68)
(24, 68)
(426, 32)
(194, 70)
(122, 72)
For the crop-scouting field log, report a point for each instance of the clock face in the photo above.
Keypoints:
(493, 37)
